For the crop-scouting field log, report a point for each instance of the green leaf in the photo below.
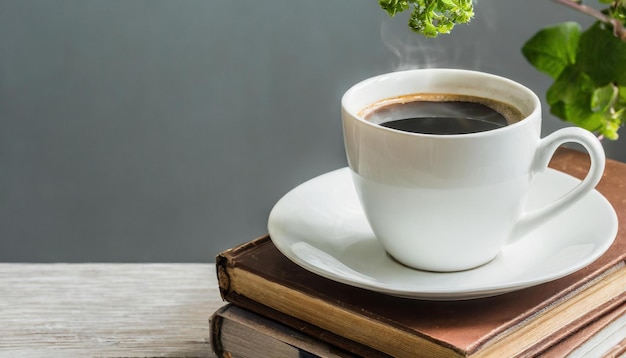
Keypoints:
(618, 115)
(392, 7)
(589, 71)
(602, 56)
(570, 98)
(606, 101)
(574, 98)
(570, 87)
(621, 96)
(603, 97)
(553, 48)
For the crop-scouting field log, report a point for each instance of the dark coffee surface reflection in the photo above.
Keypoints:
(441, 117)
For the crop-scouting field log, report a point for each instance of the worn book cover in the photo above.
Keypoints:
(237, 332)
(258, 277)
(240, 333)
(604, 337)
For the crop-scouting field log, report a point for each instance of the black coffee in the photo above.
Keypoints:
(442, 114)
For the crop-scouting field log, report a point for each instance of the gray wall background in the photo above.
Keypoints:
(155, 130)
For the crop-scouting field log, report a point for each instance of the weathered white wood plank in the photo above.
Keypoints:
(106, 310)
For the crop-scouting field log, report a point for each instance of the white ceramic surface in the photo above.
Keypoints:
(453, 189)
(320, 226)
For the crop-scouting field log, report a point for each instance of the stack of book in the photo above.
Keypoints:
(278, 309)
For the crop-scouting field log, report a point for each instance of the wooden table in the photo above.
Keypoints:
(106, 310)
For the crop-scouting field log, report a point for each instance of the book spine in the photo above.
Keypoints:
(246, 334)
(226, 260)
(313, 331)
(215, 322)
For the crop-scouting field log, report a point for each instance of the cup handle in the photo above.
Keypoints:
(547, 147)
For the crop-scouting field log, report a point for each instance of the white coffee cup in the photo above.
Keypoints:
(452, 202)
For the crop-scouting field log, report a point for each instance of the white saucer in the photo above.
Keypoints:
(320, 226)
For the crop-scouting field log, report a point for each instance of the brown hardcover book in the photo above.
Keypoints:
(239, 333)
(601, 338)
(258, 277)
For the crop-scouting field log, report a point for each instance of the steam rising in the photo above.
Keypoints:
(411, 50)
(462, 48)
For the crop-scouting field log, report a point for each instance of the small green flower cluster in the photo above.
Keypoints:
(431, 17)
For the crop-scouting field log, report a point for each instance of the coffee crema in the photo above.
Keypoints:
(443, 114)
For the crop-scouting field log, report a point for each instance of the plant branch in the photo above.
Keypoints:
(618, 28)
